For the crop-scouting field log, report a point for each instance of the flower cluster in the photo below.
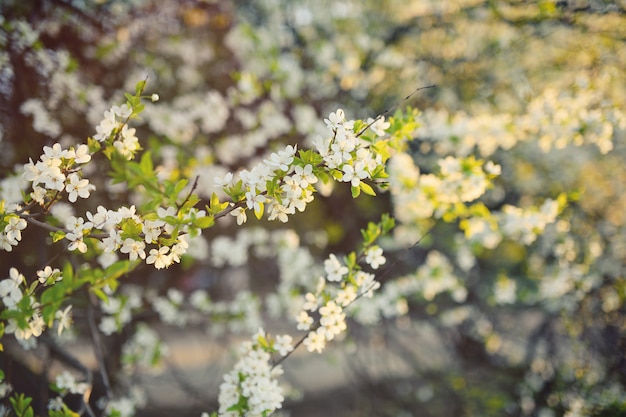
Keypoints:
(436, 276)
(65, 383)
(342, 285)
(118, 310)
(521, 224)
(418, 196)
(127, 232)
(449, 194)
(144, 350)
(33, 324)
(332, 323)
(282, 198)
(525, 224)
(251, 388)
(349, 153)
(241, 315)
(58, 170)
(125, 406)
(114, 126)
(283, 183)
(11, 233)
(168, 308)
(18, 297)
(556, 119)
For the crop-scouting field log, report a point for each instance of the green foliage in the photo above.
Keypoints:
(215, 206)
(21, 405)
(64, 412)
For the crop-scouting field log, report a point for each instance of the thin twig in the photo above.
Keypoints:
(316, 325)
(193, 188)
(313, 328)
(405, 253)
(395, 106)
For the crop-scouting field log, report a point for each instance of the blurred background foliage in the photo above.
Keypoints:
(533, 86)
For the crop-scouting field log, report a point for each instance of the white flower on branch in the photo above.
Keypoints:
(106, 126)
(10, 291)
(374, 257)
(13, 230)
(64, 319)
(354, 174)
(78, 187)
(283, 344)
(304, 321)
(315, 341)
(45, 274)
(159, 257)
(334, 269)
(134, 249)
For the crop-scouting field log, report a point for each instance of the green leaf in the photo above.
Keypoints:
(310, 157)
(358, 125)
(94, 145)
(116, 270)
(356, 191)
(367, 189)
(379, 172)
(190, 203)
(387, 222)
(265, 344)
(350, 260)
(58, 235)
(382, 148)
(215, 201)
(146, 165)
(130, 228)
(53, 295)
(204, 222)
(180, 186)
(562, 200)
(236, 191)
(68, 272)
(139, 87)
(323, 176)
(215, 205)
(100, 294)
(371, 233)
(21, 405)
(32, 287)
(65, 412)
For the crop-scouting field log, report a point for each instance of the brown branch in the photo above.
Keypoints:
(65, 357)
(193, 188)
(97, 345)
(44, 225)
